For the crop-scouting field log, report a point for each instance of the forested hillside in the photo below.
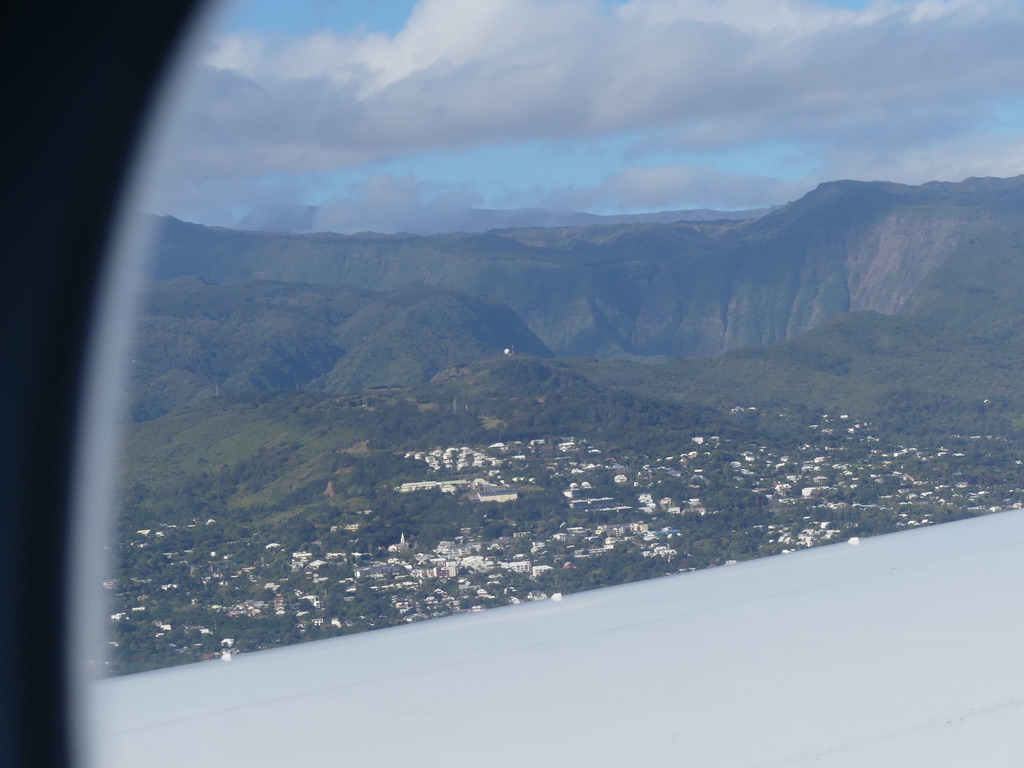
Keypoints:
(331, 434)
(679, 289)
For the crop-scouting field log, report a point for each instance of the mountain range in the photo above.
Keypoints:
(868, 293)
(286, 386)
(680, 289)
(314, 218)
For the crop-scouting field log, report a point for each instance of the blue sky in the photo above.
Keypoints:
(308, 16)
(301, 18)
(395, 115)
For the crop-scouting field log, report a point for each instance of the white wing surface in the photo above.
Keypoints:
(903, 651)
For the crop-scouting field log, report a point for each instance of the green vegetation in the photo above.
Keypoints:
(197, 341)
(650, 289)
(274, 422)
(268, 519)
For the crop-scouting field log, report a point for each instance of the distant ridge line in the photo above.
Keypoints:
(307, 219)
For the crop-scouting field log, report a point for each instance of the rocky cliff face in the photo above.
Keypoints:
(650, 289)
(889, 260)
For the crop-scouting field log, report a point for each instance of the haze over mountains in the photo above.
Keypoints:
(314, 218)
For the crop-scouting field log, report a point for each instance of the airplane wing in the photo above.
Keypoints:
(904, 650)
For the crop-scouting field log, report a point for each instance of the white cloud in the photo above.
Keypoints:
(677, 186)
(947, 159)
(388, 203)
(890, 81)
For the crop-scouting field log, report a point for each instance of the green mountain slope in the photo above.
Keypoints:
(197, 341)
(649, 289)
(409, 336)
(951, 359)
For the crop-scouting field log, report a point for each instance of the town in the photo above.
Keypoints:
(551, 516)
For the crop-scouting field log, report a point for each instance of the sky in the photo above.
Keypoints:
(395, 115)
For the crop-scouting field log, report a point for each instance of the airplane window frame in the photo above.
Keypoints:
(83, 77)
(83, 83)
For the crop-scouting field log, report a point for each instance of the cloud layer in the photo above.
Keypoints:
(692, 93)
